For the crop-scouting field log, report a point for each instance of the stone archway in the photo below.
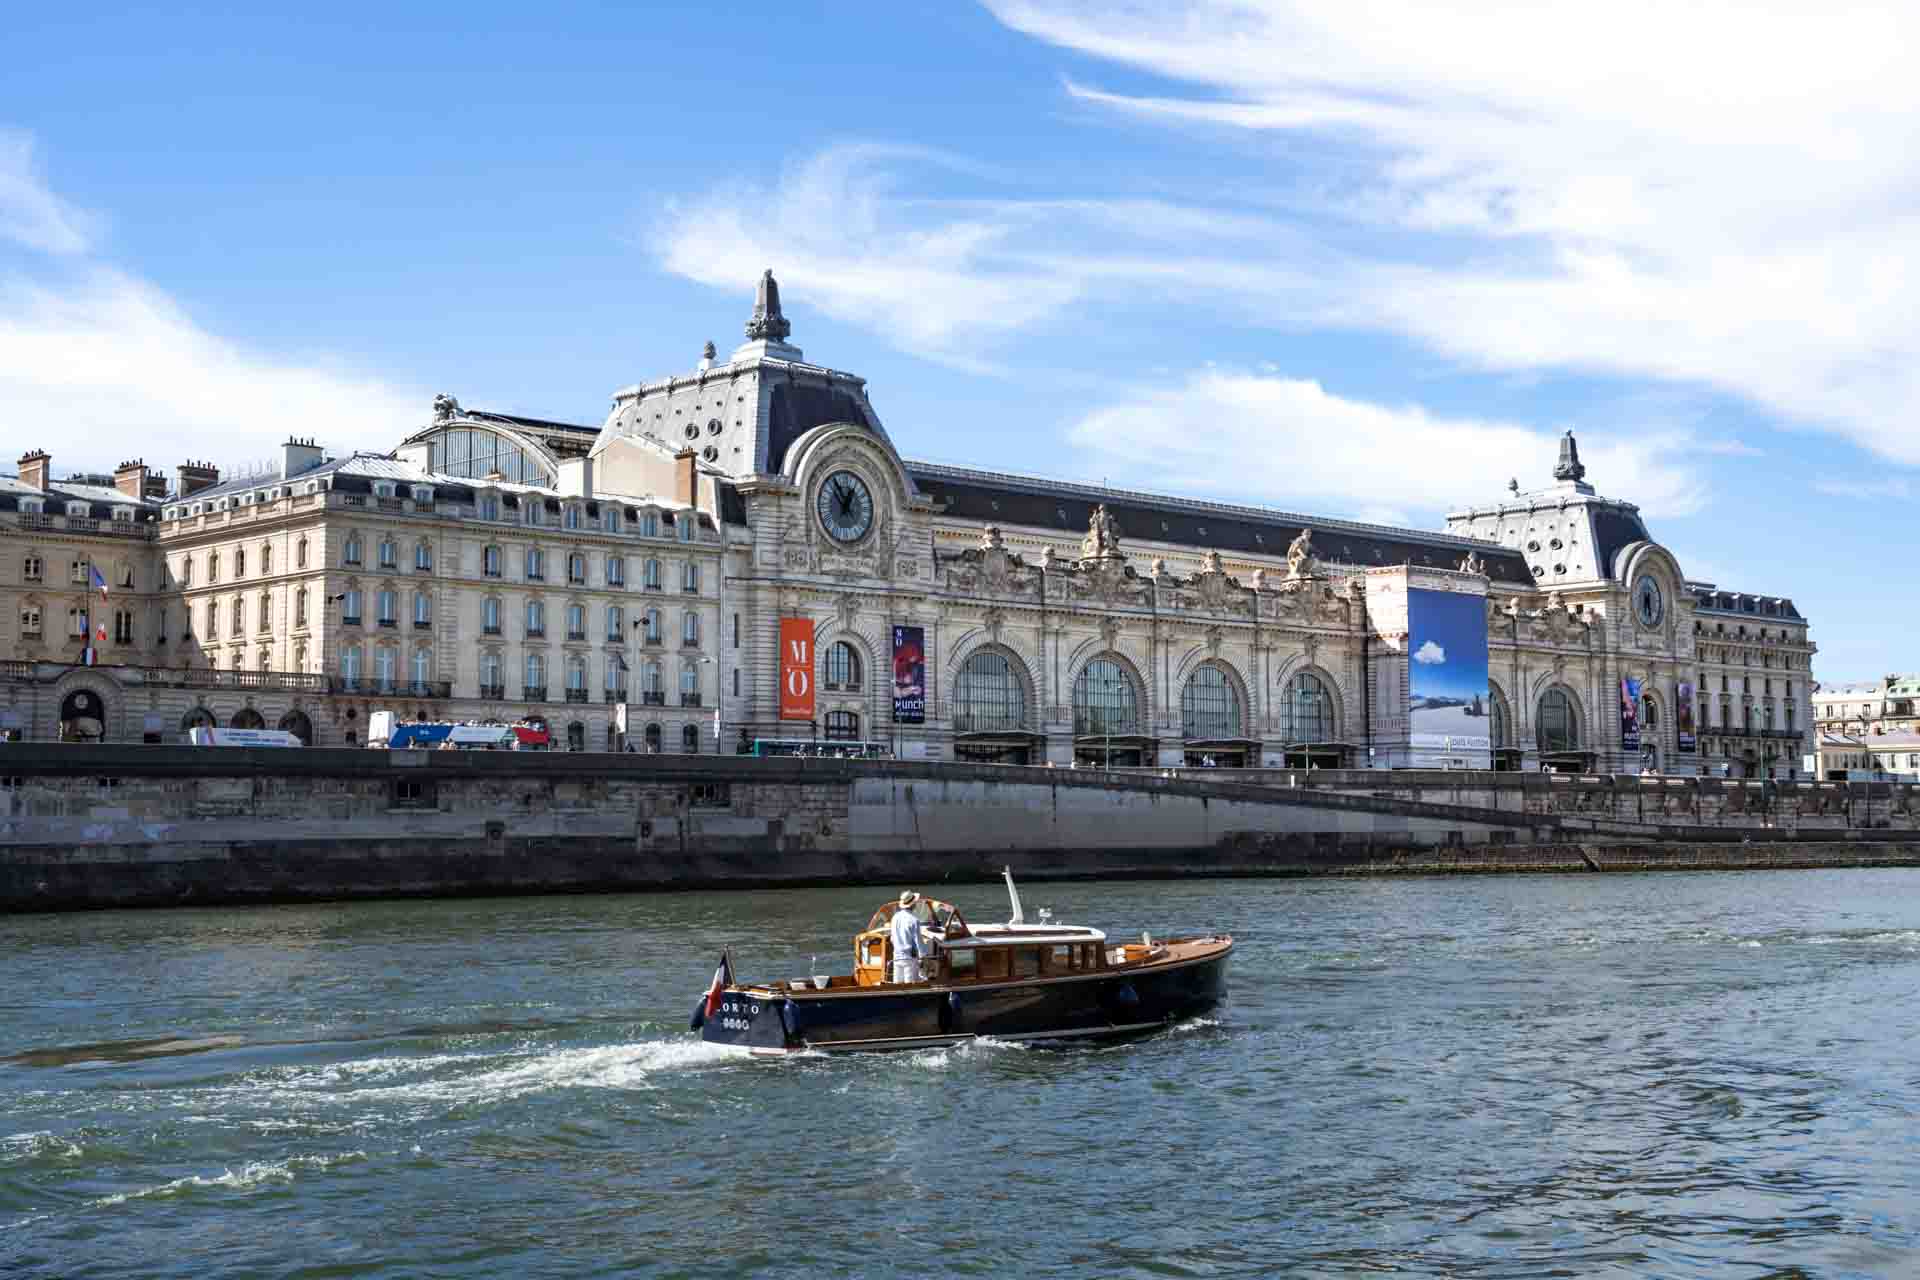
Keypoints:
(248, 718)
(297, 724)
(83, 716)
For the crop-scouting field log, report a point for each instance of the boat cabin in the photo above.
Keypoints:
(961, 953)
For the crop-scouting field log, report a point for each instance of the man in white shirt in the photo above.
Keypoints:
(905, 931)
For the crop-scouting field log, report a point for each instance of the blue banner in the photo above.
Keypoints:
(1448, 698)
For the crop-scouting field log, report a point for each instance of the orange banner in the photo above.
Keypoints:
(796, 668)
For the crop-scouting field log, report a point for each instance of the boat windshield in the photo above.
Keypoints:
(931, 912)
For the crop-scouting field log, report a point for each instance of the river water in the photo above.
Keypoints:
(1655, 1075)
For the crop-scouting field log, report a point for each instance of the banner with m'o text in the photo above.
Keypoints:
(796, 668)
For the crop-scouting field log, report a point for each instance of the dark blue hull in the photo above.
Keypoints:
(1109, 1003)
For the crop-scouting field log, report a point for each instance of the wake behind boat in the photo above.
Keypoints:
(1013, 981)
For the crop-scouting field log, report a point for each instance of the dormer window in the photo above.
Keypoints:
(123, 514)
(489, 506)
(77, 508)
(570, 517)
(31, 507)
(383, 489)
(422, 493)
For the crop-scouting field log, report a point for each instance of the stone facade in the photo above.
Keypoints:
(1061, 623)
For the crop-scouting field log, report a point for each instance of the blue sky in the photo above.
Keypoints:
(1351, 262)
(1447, 637)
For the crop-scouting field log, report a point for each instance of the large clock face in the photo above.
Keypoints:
(1647, 604)
(845, 506)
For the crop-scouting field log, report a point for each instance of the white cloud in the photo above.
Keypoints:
(1290, 440)
(1430, 654)
(1724, 197)
(30, 214)
(1888, 490)
(97, 366)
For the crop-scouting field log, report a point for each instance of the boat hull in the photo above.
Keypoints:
(1106, 1004)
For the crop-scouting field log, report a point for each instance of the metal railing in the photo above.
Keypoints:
(497, 692)
(576, 695)
(534, 693)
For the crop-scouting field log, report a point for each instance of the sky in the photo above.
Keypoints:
(1349, 259)
(1448, 635)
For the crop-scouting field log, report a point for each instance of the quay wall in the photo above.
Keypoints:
(107, 826)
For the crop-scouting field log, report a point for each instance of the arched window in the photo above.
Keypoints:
(266, 558)
(300, 554)
(653, 738)
(422, 666)
(474, 453)
(300, 608)
(1501, 717)
(690, 739)
(842, 726)
(1309, 706)
(198, 718)
(1558, 725)
(240, 563)
(265, 621)
(1104, 702)
(350, 662)
(213, 565)
(989, 697)
(843, 668)
(576, 736)
(248, 718)
(1210, 706)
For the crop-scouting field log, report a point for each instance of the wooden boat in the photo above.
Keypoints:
(1015, 981)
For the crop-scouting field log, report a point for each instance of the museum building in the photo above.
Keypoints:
(738, 556)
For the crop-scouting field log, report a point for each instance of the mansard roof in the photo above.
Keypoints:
(100, 499)
(1708, 598)
(996, 498)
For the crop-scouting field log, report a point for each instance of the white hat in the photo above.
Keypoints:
(908, 898)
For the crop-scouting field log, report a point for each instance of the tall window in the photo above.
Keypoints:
(33, 568)
(610, 519)
(650, 628)
(213, 620)
(616, 623)
(489, 506)
(690, 578)
(576, 622)
(571, 516)
(266, 559)
(616, 677)
(650, 576)
(490, 562)
(350, 662)
(235, 623)
(576, 675)
(213, 565)
(388, 601)
(1210, 705)
(389, 553)
(843, 668)
(532, 510)
(489, 673)
(349, 555)
(384, 665)
(988, 696)
(490, 616)
(651, 683)
(616, 571)
(649, 524)
(576, 566)
(1559, 729)
(300, 607)
(422, 609)
(842, 726)
(536, 564)
(422, 557)
(1309, 709)
(1103, 700)
(266, 611)
(1502, 717)
(240, 562)
(690, 738)
(689, 684)
(536, 618)
(690, 631)
(300, 554)
(536, 671)
(422, 665)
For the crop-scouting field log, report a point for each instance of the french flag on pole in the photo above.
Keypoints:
(709, 1003)
(93, 574)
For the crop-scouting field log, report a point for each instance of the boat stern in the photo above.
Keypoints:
(750, 1018)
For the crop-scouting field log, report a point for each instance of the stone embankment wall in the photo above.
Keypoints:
(133, 826)
(1693, 805)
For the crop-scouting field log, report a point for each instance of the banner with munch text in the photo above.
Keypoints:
(909, 675)
(796, 668)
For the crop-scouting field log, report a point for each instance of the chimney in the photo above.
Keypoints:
(298, 455)
(36, 466)
(193, 477)
(130, 478)
(686, 478)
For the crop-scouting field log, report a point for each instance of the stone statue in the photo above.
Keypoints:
(1473, 564)
(1103, 536)
(1210, 563)
(990, 539)
(1300, 562)
(1259, 579)
(445, 408)
(1159, 566)
(767, 322)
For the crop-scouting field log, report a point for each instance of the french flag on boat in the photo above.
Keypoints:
(709, 1003)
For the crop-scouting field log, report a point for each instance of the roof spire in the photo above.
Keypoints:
(767, 322)
(1570, 466)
